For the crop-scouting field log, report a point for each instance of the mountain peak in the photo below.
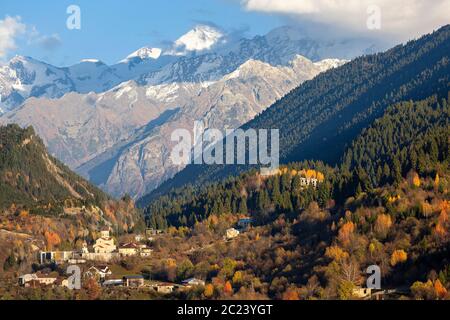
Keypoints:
(201, 37)
(19, 58)
(145, 53)
(90, 61)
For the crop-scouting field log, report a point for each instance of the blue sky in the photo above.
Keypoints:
(111, 29)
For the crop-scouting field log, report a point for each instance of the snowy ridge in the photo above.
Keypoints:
(204, 54)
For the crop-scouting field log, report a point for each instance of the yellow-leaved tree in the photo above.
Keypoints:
(416, 180)
(398, 256)
(209, 291)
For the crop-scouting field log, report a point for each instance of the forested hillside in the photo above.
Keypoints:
(410, 137)
(45, 204)
(309, 243)
(29, 176)
(319, 118)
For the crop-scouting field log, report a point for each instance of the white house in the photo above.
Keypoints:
(98, 272)
(128, 249)
(37, 278)
(164, 287)
(58, 257)
(27, 278)
(145, 251)
(308, 181)
(193, 282)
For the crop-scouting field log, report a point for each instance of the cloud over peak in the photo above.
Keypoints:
(399, 18)
(10, 28)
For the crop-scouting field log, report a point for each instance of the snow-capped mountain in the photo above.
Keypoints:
(144, 53)
(201, 55)
(198, 39)
(120, 139)
(112, 123)
(25, 77)
(278, 47)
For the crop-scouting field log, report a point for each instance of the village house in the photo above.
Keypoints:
(133, 249)
(304, 182)
(164, 287)
(104, 244)
(37, 279)
(128, 249)
(98, 272)
(135, 281)
(150, 232)
(58, 257)
(192, 282)
(145, 251)
(231, 233)
(26, 278)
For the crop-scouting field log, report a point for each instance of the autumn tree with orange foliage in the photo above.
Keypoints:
(440, 231)
(52, 239)
(429, 290)
(336, 253)
(209, 291)
(291, 294)
(383, 224)
(441, 291)
(398, 256)
(345, 232)
(228, 289)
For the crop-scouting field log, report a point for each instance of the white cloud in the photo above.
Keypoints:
(47, 42)
(10, 28)
(402, 18)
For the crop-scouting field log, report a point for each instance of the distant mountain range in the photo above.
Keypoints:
(110, 122)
